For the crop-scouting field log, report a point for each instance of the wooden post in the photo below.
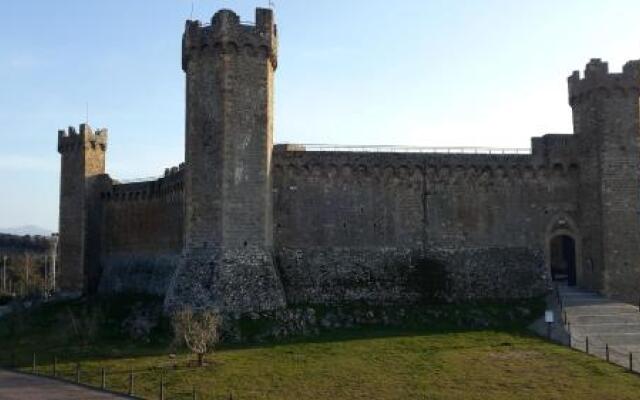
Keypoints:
(586, 344)
(131, 382)
(630, 361)
(606, 350)
(103, 384)
(194, 395)
(33, 366)
(77, 372)
(161, 385)
(55, 366)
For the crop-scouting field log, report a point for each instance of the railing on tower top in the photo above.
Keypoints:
(403, 149)
(138, 180)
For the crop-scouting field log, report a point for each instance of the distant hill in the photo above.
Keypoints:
(32, 230)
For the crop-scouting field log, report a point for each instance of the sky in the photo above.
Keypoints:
(409, 72)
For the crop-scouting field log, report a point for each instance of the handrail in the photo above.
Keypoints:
(137, 180)
(404, 149)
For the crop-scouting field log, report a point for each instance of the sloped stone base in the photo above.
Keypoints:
(230, 281)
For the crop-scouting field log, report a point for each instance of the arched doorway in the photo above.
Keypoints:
(563, 259)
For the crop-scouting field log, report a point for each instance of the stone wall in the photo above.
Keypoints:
(141, 234)
(367, 227)
(378, 228)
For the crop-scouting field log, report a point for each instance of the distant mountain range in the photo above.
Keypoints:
(32, 230)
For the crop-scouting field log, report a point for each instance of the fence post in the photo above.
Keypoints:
(33, 365)
(631, 361)
(131, 382)
(55, 366)
(586, 344)
(77, 372)
(606, 350)
(194, 394)
(161, 385)
(103, 384)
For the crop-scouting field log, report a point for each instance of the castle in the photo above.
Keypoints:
(246, 226)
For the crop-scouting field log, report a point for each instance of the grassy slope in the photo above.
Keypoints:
(371, 364)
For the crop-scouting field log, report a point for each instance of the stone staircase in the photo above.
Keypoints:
(600, 326)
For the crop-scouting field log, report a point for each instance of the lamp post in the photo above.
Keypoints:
(548, 318)
(54, 256)
(4, 273)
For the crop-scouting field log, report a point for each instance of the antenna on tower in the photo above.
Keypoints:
(191, 17)
(272, 5)
(87, 113)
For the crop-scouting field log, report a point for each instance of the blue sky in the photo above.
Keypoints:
(416, 72)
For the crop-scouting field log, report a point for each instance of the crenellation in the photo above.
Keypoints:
(71, 140)
(598, 82)
(228, 36)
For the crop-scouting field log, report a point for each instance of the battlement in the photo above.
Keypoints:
(597, 78)
(228, 35)
(70, 139)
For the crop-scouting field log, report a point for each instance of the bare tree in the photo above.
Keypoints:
(198, 330)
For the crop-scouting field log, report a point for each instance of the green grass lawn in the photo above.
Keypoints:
(376, 363)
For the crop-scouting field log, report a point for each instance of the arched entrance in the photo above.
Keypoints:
(563, 259)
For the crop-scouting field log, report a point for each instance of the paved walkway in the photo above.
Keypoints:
(14, 386)
(603, 323)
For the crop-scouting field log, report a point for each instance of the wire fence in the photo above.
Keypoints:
(162, 382)
(594, 346)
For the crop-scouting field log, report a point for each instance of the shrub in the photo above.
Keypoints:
(197, 330)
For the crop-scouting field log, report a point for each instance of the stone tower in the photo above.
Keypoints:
(83, 159)
(606, 120)
(228, 255)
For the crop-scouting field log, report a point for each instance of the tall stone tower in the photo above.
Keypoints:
(228, 262)
(83, 159)
(606, 119)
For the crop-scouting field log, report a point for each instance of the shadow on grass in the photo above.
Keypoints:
(90, 330)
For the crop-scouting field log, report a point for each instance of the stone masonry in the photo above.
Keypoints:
(245, 226)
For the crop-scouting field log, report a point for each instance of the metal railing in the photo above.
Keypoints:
(592, 346)
(136, 383)
(137, 180)
(404, 149)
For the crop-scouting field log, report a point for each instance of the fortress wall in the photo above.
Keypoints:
(388, 227)
(142, 233)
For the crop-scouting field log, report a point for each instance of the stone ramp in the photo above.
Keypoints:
(17, 386)
(600, 325)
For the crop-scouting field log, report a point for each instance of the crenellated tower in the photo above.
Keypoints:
(606, 119)
(83, 159)
(229, 69)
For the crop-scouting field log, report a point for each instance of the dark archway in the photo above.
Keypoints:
(563, 259)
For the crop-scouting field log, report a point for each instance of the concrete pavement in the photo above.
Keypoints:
(16, 386)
